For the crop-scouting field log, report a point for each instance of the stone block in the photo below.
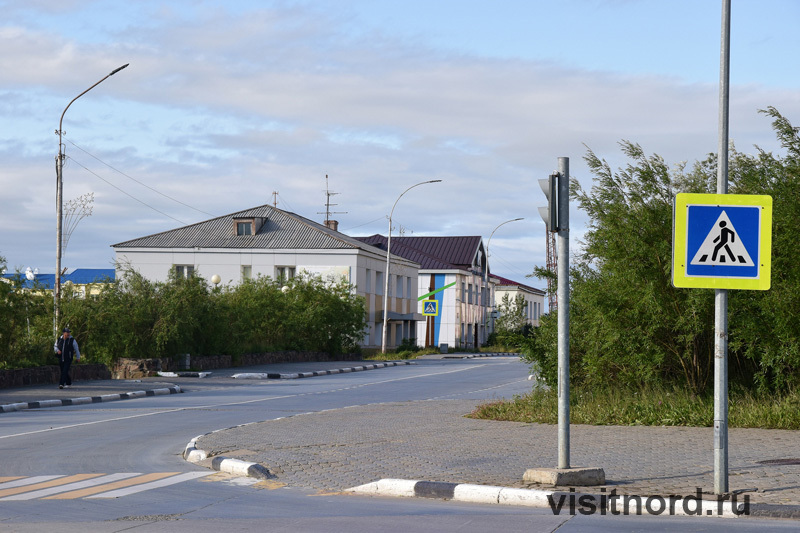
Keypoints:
(580, 477)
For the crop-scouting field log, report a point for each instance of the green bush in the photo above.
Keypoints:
(137, 318)
(629, 326)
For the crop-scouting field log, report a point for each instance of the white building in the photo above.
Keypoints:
(266, 241)
(534, 298)
(452, 268)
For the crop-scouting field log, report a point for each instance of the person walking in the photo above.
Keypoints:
(65, 347)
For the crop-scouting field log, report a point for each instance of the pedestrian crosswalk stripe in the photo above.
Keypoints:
(97, 479)
(98, 485)
(153, 485)
(82, 493)
(59, 480)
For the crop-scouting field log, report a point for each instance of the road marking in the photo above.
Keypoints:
(79, 486)
(153, 485)
(59, 480)
(259, 400)
(98, 479)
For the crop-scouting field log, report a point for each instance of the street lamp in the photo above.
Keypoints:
(59, 200)
(486, 268)
(386, 275)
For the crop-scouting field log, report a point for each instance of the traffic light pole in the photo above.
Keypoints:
(556, 217)
(563, 312)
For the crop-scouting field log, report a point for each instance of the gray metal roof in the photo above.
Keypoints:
(281, 230)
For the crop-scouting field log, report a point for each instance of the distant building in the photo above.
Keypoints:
(267, 241)
(534, 298)
(453, 269)
(81, 281)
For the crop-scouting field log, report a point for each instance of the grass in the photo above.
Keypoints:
(402, 354)
(649, 407)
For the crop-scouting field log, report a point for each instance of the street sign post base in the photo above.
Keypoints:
(579, 476)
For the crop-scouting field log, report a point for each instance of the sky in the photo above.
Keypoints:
(227, 105)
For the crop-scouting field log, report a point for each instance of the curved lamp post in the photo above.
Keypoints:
(386, 274)
(486, 269)
(59, 200)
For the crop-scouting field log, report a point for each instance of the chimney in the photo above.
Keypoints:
(332, 224)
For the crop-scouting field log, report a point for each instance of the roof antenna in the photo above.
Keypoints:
(332, 224)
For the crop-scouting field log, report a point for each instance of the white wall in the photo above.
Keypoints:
(534, 302)
(155, 264)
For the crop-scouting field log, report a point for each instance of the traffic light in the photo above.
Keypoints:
(550, 213)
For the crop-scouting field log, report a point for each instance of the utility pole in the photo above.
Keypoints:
(60, 203)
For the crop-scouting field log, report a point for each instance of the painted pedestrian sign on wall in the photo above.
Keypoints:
(722, 241)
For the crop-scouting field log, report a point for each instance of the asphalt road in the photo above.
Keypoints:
(138, 444)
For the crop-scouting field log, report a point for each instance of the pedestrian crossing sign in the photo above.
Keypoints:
(430, 307)
(722, 241)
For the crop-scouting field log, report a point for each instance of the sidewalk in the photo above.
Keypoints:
(433, 441)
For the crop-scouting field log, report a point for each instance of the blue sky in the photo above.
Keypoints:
(225, 102)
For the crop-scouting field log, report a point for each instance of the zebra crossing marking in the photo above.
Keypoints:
(95, 485)
(153, 485)
(123, 482)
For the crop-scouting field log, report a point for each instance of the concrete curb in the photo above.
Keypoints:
(256, 375)
(184, 374)
(474, 355)
(559, 502)
(89, 399)
(241, 468)
(221, 463)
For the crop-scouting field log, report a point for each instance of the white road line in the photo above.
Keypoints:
(152, 485)
(70, 486)
(213, 406)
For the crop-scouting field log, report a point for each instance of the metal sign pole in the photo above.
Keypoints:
(721, 295)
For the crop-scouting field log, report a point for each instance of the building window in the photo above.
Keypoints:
(247, 272)
(184, 271)
(284, 273)
(399, 286)
(368, 283)
(408, 288)
(244, 228)
(378, 282)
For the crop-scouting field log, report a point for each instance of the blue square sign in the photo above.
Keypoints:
(722, 241)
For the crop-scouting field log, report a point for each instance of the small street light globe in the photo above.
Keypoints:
(215, 279)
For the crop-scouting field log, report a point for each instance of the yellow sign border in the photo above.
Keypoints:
(436, 302)
(679, 237)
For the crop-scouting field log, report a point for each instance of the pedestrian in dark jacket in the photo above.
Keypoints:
(65, 347)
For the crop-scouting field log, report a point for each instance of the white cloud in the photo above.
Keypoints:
(219, 108)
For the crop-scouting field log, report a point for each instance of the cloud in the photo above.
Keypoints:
(222, 106)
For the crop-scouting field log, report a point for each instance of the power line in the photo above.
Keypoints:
(365, 223)
(137, 181)
(125, 193)
(291, 209)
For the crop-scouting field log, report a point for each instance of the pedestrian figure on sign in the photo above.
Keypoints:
(723, 237)
(65, 347)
